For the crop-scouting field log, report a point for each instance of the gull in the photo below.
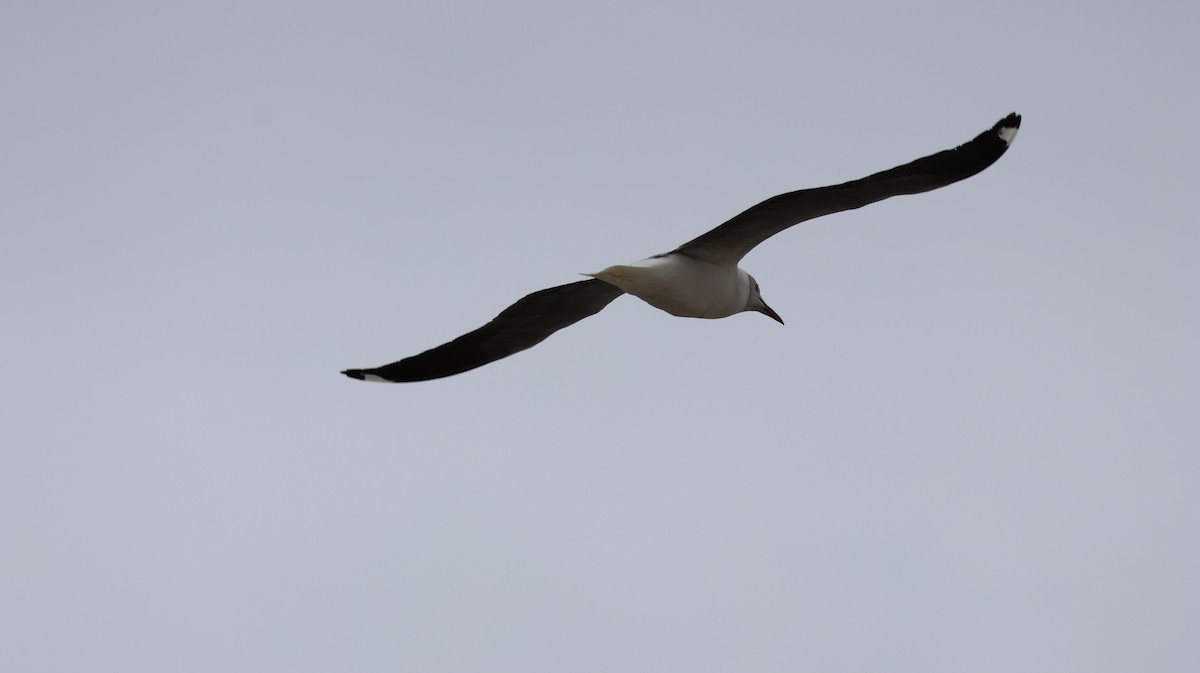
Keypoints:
(699, 279)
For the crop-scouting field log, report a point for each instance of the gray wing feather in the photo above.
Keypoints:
(729, 242)
(522, 325)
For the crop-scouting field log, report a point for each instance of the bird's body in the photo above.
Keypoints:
(683, 286)
(699, 279)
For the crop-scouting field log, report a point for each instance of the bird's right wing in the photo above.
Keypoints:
(522, 325)
(728, 243)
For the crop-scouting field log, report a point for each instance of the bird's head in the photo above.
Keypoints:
(755, 302)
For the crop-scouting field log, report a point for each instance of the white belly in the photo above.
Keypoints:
(682, 286)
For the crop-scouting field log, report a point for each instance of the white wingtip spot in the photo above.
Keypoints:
(375, 377)
(1008, 134)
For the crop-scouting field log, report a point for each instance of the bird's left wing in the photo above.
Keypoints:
(728, 243)
(522, 325)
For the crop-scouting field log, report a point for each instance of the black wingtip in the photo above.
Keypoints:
(1012, 121)
(1006, 129)
(356, 374)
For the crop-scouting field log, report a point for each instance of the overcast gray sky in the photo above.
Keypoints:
(972, 448)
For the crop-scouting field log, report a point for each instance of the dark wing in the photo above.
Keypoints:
(522, 325)
(731, 241)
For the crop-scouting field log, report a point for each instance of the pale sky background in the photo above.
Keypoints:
(974, 447)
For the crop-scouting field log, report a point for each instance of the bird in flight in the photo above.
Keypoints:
(699, 279)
